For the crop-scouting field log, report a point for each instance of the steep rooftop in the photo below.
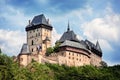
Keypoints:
(24, 49)
(94, 48)
(98, 47)
(68, 35)
(38, 20)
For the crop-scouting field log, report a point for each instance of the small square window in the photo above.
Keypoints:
(69, 57)
(21, 59)
(79, 59)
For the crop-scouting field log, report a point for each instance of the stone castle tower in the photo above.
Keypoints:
(39, 35)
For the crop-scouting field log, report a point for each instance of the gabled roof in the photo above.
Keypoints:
(69, 35)
(73, 44)
(25, 49)
(94, 48)
(91, 45)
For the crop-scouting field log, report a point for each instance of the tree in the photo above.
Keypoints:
(103, 64)
(56, 47)
(49, 51)
(5, 67)
(0, 50)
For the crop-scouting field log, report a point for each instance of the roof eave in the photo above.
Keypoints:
(39, 26)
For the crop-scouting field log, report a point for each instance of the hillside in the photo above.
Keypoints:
(9, 70)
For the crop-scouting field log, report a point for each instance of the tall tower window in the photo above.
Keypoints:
(38, 34)
(32, 42)
(32, 49)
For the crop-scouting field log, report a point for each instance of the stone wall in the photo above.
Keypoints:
(24, 60)
(74, 57)
(95, 59)
(65, 57)
(36, 37)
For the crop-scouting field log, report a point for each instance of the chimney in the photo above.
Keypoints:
(48, 21)
(29, 22)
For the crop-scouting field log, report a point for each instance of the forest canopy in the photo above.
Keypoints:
(10, 70)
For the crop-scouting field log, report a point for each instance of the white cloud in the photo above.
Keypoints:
(12, 15)
(105, 45)
(100, 28)
(106, 28)
(11, 41)
(55, 36)
(79, 37)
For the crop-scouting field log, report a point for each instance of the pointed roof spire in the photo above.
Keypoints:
(68, 28)
(98, 46)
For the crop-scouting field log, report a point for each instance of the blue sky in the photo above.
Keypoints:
(89, 19)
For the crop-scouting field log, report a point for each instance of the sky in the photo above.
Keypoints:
(89, 19)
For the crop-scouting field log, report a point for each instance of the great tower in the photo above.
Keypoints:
(39, 34)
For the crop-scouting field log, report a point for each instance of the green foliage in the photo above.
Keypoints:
(10, 70)
(103, 64)
(52, 49)
(0, 51)
(56, 47)
(49, 51)
(5, 67)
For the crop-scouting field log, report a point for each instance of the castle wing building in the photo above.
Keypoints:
(78, 52)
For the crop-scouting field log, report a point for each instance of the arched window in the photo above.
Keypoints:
(32, 42)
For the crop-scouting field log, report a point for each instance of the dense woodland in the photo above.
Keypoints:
(10, 70)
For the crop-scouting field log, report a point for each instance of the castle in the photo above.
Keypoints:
(72, 51)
